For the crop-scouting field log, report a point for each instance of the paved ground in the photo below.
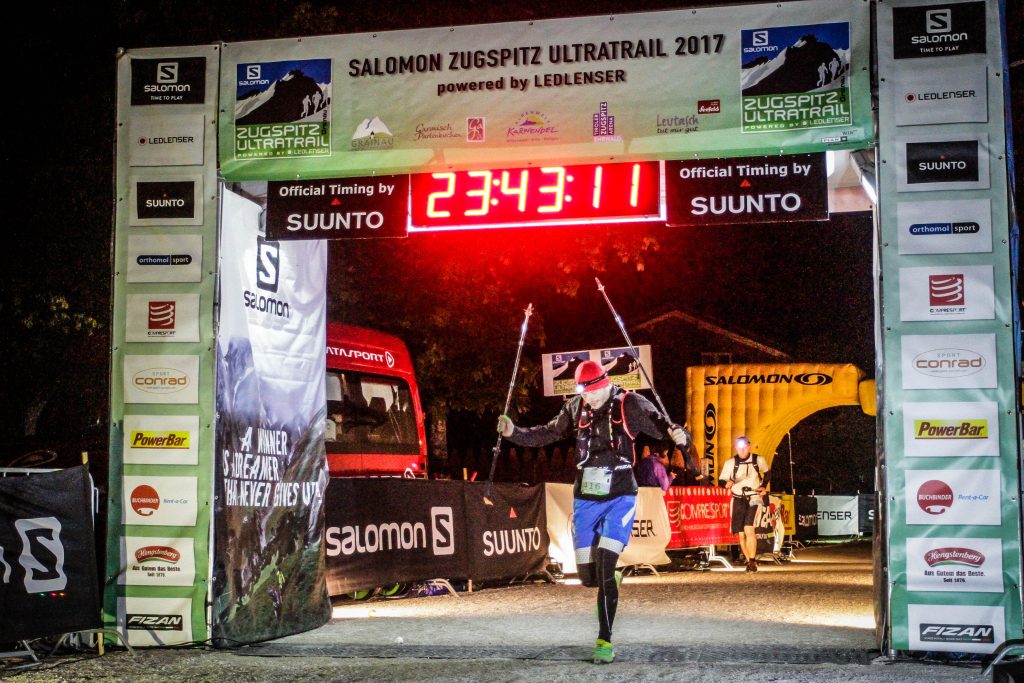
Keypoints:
(808, 620)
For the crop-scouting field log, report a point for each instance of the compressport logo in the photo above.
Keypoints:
(358, 354)
(394, 536)
(811, 379)
(154, 622)
(946, 289)
(957, 633)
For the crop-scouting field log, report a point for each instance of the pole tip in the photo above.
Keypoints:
(600, 287)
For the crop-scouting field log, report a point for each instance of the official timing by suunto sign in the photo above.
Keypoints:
(338, 208)
(746, 190)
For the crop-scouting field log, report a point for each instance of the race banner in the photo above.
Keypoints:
(699, 516)
(749, 80)
(48, 583)
(382, 531)
(271, 468)
(509, 537)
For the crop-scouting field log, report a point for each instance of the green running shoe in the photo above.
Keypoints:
(603, 652)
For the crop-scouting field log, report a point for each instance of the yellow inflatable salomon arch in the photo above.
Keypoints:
(763, 402)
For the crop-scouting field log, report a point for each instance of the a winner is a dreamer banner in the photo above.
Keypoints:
(748, 80)
(271, 469)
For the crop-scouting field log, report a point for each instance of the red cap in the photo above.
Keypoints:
(590, 376)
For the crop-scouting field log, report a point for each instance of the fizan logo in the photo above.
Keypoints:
(155, 622)
(947, 363)
(957, 633)
(958, 556)
(935, 497)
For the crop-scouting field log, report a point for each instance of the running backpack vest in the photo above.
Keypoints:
(622, 437)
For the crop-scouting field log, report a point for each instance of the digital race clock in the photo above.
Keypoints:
(537, 195)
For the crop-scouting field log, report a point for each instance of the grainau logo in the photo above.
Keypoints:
(965, 557)
(944, 30)
(165, 199)
(372, 134)
(950, 161)
(935, 497)
(168, 81)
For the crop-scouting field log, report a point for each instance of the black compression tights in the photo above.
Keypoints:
(607, 592)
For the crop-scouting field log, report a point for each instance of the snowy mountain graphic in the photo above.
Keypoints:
(294, 97)
(371, 128)
(808, 65)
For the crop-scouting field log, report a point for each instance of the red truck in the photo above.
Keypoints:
(375, 423)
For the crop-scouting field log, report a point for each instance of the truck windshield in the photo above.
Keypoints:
(369, 414)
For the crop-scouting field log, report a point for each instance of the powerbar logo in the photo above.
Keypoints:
(160, 440)
(356, 354)
(812, 379)
(951, 429)
(155, 622)
(957, 633)
(959, 556)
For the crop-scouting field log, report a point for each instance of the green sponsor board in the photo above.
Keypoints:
(740, 81)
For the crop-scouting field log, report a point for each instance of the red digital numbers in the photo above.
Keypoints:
(544, 195)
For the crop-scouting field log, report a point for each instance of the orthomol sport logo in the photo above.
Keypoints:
(145, 500)
(964, 557)
(157, 553)
(394, 536)
(951, 429)
(156, 440)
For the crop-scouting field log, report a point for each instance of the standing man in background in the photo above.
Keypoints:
(747, 476)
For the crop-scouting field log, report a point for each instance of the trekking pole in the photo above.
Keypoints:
(632, 349)
(508, 401)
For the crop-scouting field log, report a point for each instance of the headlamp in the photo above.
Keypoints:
(582, 386)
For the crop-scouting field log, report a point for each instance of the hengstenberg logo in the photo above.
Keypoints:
(948, 363)
(394, 535)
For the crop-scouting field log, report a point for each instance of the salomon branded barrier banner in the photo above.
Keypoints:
(162, 359)
(748, 80)
(48, 580)
(950, 327)
(271, 467)
(806, 517)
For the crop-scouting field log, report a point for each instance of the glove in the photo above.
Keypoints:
(505, 426)
(678, 435)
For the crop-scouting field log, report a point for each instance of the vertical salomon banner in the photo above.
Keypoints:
(948, 315)
(750, 80)
(47, 555)
(271, 468)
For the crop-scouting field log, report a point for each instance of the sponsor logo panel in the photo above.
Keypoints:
(395, 535)
(155, 621)
(161, 379)
(160, 501)
(942, 163)
(155, 561)
(532, 126)
(943, 94)
(173, 140)
(940, 30)
(161, 439)
(162, 318)
(164, 258)
(169, 80)
(971, 565)
(959, 226)
(338, 208)
(947, 293)
(955, 628)
(166, 201)
(948, 361)
(952, 497)
(953, 429)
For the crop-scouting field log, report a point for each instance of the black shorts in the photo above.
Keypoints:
(743, 514)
